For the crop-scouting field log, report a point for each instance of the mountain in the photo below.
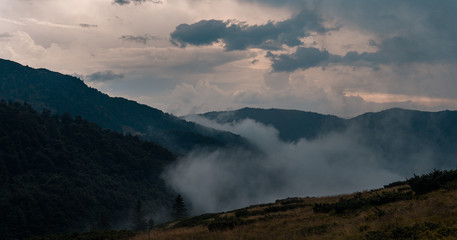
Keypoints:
(291, 124)
(409, 137)
(64, 174)
(60, 93)
(404, 141)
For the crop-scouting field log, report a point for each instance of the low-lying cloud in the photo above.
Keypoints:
(396, 50)
(126, 2)
(228, 179)
(87, 25)
(144, 39)
(104, 76)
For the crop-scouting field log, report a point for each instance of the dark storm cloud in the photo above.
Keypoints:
(240, 36)
(423, 28)
(124, 2)
(303, 58)
(104, 76)
(396, 50)
(139, 39)
(205, 32)
(86, 25)
(410, 31)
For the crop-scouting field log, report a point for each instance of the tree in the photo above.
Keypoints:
(103, 222)
(138, 219)
(150, 226)
(179, 210)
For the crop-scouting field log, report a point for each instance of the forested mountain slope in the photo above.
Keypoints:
(59, 174)
(291, 124)
(60, 93)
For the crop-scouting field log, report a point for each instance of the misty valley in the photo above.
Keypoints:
(76, 163)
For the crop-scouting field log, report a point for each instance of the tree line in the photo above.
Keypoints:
(60, 174)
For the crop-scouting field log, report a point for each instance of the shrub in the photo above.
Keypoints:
(395, 184)
(226, 223)
(242, 212)
(103, 235)
(432, 181)
(195, 221)
(346, 205)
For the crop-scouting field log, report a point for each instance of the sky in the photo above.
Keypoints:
(341, 57)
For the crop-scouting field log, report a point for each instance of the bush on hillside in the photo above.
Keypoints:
(432, 181)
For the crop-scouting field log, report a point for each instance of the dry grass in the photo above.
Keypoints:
(431, 216)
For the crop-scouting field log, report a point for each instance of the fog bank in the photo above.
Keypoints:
(226, 179)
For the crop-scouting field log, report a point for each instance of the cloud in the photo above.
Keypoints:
(48, 23)
(5, 35)
(406, 32)
(156, 71)
(223, 180)
(303, 58)
(126, 2)
(240, 36)
(86, 25)
(6, 20)
(205, 32)
(396, 50)
(104, 76)
(139, 39)
(291, 3)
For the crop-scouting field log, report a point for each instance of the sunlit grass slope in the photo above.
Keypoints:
(394, 212)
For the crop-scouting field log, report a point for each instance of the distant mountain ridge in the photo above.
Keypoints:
(291, 124)
(62, 93)
(410, 136)
(403, 138)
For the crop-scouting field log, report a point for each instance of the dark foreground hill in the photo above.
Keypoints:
(404, 141)
(64, 174)
(60, 93)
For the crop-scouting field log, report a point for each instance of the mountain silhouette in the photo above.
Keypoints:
(291, 124)
(402, 140)
(61, 93)
(63, 174)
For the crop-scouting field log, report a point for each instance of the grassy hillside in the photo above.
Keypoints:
(396, 212)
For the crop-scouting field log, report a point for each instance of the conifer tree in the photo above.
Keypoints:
(179, 210)
(138, 219)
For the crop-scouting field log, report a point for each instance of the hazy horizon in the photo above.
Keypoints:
(193, 56)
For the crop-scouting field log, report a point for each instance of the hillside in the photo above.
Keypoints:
(64, 174)
(403, 141)
(291, 124)
(402, 210)
(406, 138)
(60, 93)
